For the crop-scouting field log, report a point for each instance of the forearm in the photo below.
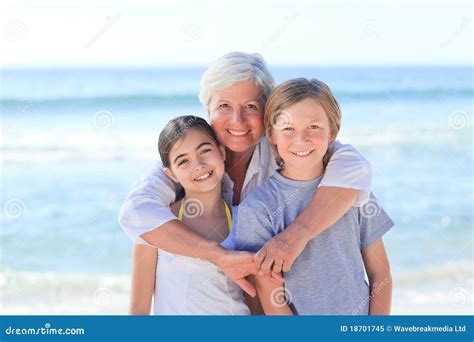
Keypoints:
(144, 261)
(272, 297)
(327, 207)
(176, 237)
(253, 303)
(380, 295)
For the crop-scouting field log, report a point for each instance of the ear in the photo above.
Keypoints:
(170, 174)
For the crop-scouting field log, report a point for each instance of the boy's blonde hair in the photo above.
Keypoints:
(293, 91)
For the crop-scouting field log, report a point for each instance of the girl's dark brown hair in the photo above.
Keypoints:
(176, 129)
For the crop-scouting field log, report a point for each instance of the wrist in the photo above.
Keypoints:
(300, 231)
(215, 253)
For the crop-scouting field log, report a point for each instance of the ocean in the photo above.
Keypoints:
(74, 140)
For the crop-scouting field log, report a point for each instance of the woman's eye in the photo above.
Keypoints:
(206, 151)
(288, 129)
(224, 105)
(314, 126)
(183, 161)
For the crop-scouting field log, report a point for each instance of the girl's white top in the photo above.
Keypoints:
(190, 286)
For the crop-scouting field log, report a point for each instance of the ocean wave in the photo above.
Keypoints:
(87, 145)
(179, 98)
(444, 289)
(126, 99)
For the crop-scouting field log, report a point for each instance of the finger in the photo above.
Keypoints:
(277, 267)
(277, 278)
(259, 257)
(251, 268)
(267, 266)
(246, 286)
(287, 264)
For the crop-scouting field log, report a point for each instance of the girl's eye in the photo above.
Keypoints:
(288, 129)
(206, 151)
(314, 126)
(183, 161)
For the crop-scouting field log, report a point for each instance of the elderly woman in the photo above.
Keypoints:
(234, 90)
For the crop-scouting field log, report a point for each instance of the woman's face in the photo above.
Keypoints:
(236, 115)
(196, 162)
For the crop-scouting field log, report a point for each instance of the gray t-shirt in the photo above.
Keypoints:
(328, 278)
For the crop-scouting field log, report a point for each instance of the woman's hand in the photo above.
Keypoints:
(237, 265)
(279, 253)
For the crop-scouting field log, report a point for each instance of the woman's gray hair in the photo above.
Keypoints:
(234, 67)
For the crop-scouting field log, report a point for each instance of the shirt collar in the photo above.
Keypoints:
(254, 167)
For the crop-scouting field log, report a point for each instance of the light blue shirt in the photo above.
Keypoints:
(328, 278)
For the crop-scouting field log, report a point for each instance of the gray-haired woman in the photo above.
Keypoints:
(234, 90)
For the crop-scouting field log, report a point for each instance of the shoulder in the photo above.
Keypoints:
(339, 147)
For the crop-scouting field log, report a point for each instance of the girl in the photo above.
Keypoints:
(302, 120)
(182, 285)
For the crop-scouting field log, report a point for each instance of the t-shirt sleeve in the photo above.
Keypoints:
(374, 222)
(347, 168)
(147, 204)
(252, 226)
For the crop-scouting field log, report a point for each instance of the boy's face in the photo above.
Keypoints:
(302, 136)
(196, 162)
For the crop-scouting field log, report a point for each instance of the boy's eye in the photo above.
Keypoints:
(183, 161)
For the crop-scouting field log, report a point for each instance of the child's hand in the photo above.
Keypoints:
(279, 253)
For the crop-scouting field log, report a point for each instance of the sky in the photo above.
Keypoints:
(194, 33)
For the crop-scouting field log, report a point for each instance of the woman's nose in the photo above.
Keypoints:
(237, 115)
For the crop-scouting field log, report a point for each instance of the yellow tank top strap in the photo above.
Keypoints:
(227, 213)
(181, 208)
(229, 216)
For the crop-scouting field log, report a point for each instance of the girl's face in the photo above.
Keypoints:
(196, 162)
(236, 114)
(302, 137)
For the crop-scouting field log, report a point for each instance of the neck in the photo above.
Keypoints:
(302, 174)
(210, 203)
(238, 160)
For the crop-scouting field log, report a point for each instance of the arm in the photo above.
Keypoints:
(146, 213)
(253, 303)
(380, 279)
(346, 182)
(272, 297)
(144, 261)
